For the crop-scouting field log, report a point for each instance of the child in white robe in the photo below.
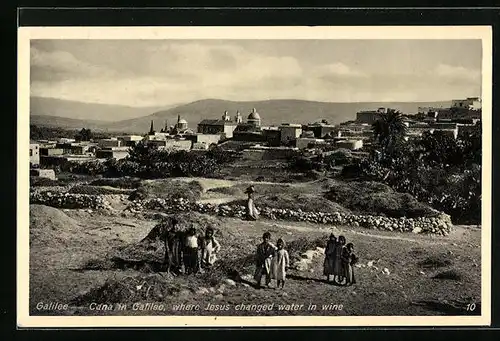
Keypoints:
(210, 248)
(281, 262)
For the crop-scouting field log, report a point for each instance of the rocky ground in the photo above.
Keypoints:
(400, 273)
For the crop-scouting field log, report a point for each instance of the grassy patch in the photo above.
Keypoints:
(36, 181)
(375, 198)
(436, 261)
(452, 274)
(230, 191)
(97, 190)
(169, 189)
(125, 182)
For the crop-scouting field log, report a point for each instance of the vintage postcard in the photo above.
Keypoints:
(254, 176)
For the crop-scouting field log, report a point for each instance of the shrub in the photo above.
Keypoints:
(138, 194)
(87, 168)
(433, 262)
(376, 198)
(168, 189)
(37, 181)
(453, 275)
(440, 171)
(125, 182)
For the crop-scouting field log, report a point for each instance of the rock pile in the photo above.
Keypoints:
(66, 200)
(307, 257)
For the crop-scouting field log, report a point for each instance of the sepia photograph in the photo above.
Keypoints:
(254, 176)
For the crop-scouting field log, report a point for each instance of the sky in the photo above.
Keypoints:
(143, 73)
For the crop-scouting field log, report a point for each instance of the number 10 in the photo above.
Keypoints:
(471, 307)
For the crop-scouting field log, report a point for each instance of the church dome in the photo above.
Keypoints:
(182, 121)
(254, 115)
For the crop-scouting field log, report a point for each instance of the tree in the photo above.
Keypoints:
(84, 135)
(389, 131)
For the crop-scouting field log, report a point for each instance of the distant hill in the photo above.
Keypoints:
(271, 112)
(66, 123)
(69, 114)
(43, 106)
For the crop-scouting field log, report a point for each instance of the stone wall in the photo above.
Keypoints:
(439, 224)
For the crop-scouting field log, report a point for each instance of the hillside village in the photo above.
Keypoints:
(249, 135)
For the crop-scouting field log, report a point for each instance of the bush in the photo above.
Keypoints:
(440, 171)
(231, 191)
(147, 161)
(453, 275)
(376, 198)
(139, 194)
(301, 245)
(434, 262)
(300, 163)
(37, 181)
(168, 190)
(86, 168)
(125, 182)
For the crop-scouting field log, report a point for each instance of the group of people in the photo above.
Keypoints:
(272, 262)
(339, 261)
(187, 250)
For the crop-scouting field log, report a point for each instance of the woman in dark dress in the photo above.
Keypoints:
(338, 270)
(348, 260)
(173, 239)
(329, 262)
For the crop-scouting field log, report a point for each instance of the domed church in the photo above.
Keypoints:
(254, 118)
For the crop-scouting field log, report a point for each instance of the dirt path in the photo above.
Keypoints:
(208, 184)
(459, 233)
(219, 201)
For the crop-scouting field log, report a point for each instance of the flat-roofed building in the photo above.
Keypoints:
(130, 140)
(320, 129)
(34, 153)
(350, 144)
(217, 126)
(304, 143)
(208, 139)
(370, 116)
(117, 153)
(289, 132)
(471, 103)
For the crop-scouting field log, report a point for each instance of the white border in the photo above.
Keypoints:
(25, 34)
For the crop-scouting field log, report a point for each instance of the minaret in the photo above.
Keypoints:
(178, 118)
(238, 119)
(166, 130)
(151, 129)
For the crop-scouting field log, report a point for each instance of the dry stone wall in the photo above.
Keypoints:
(439, 224)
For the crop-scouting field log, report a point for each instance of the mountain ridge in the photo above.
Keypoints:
(272, 112)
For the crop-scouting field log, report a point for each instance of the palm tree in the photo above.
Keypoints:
(389, 130)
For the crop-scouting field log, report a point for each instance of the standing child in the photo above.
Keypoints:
(209, 249)
(348, 260)
(265, 253)
(338, 270)
(281, 262)
(191, 252)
